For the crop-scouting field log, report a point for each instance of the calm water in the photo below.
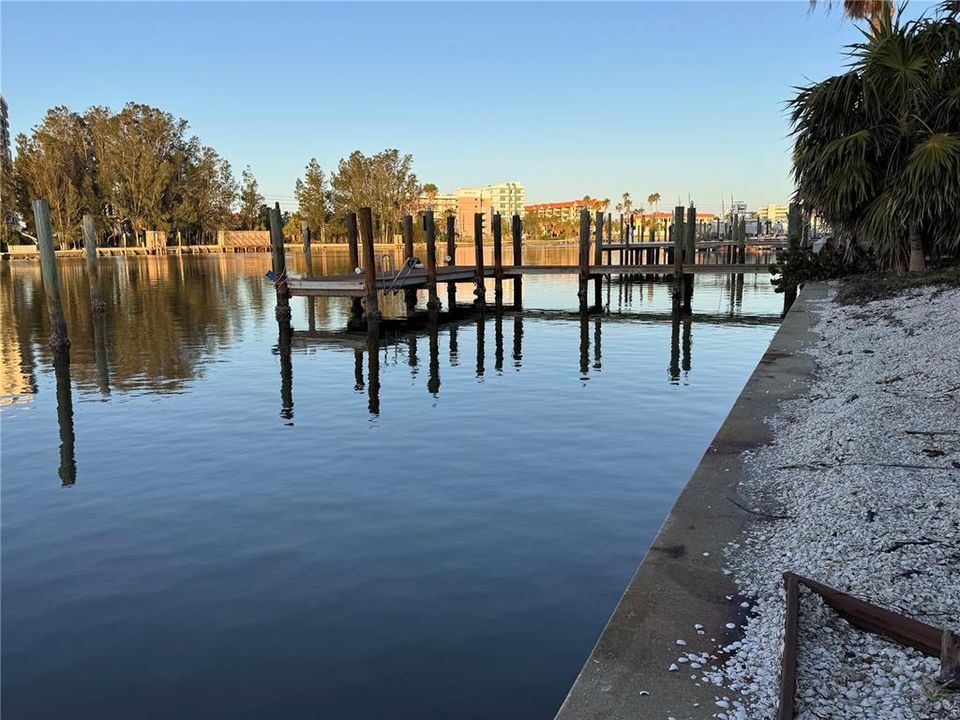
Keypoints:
(196, 525)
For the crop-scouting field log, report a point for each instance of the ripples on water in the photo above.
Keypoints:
(197, 524)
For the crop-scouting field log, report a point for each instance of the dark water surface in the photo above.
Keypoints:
(195, 525)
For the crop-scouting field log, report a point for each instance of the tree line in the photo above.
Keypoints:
(138, 169)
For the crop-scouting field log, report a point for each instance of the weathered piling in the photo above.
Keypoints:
(498, 261)
(307, 250)
(97, 304)
(279, 265)
(409, 294)
(451, 260)
(59, 340)
(690, 255)
(516, 227)
(742, 258)
(356, 309)
(584, 257)
(598, 260)
(365, 228)
(433, 300)
(481, 290)
(793, 244)
(678, 246)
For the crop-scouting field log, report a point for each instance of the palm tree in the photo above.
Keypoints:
(873, 11)
(653, 199)
(877, 149)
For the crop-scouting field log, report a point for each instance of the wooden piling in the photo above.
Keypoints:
(356, 309)
(584, 257)
(743, 241)
(677, 234)
(598, 260)
(498, 261)
(690, 255)
(365, 228)
(409, 294)
(97, 304)
(307, 250)
(407, 232)
(433, 301)
(451, 260)
(352, 244)
(279, 265)
(59, 340)
(516, 227)
(481, 290)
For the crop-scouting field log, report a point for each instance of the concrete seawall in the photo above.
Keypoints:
(681, 581)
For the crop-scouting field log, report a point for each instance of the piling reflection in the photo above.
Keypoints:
(433, 384)
(68, 460)
(517, 341)
(373, 375)
(584, 345)
(498, 340)
(481, 334)
(100, 353)
(286, 372)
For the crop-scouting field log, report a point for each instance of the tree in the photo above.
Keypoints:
(55, 163)
(627, 203)
(384, 182)
(653, 199)
(430, 190)
(250, 202)
(877, 149)
(873, 11)
(141, 154)
(312, 197)
(206, 193)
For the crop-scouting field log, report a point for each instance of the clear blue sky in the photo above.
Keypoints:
(568, 98)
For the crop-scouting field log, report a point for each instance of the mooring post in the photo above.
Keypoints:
(678, 243)
(598, 260)
(365, 228)
(516, 226)
(584, 257)
(451, 260)
(279, 264)
(433, 300)
(498, 261)
(356, 310)
(59, 340)
(93, 270)
(743, 240)
(481, 290)
(409, 294)
(690, 256)
(307, 250)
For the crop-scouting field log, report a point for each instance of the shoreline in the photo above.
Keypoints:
(828, 466)
(683, 580)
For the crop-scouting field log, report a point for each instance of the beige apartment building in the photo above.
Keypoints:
(505, 198)
(774, 213)
(567, 210)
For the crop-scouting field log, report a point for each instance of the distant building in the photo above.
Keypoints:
(4, 129)
(774, 213)
(505, 198)
(563, 211)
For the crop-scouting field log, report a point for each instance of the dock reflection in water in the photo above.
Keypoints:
(280, 517)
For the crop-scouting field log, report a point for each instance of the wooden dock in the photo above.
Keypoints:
(353, 285)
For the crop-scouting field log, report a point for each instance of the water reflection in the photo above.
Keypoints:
(68, 459)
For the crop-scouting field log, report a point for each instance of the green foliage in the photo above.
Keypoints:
(384, 182)
(877, 149)
(136, 167)
(797, 265)
(313, 198)
(251, 203)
